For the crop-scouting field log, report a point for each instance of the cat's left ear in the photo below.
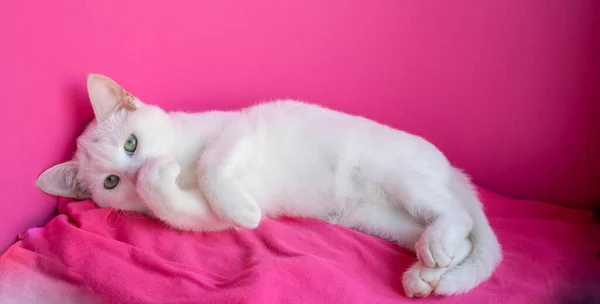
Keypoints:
(61, 180)
(107, 96)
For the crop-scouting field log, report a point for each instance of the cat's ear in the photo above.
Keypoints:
(60, 180)
(107, 96)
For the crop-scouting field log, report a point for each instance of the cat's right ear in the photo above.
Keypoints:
(60, 180)
(107, 96)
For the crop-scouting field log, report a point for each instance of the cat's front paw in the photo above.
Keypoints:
(159, 172)
(234, 204)
(246, 215)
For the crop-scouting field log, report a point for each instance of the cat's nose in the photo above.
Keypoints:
(132, 175)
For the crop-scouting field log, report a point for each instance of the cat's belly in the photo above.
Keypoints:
(316, 187)
(295, 193)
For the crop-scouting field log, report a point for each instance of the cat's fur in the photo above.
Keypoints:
(216, 170)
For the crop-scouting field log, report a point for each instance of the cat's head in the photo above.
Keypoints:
(125, 133)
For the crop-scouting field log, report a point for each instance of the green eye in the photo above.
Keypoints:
(111, 181)
(130, 144)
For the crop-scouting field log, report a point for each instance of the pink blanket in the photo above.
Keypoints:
(87, 255)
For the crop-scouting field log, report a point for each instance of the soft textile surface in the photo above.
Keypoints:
(86, 255)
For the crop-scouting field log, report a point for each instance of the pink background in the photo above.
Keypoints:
(507, 89)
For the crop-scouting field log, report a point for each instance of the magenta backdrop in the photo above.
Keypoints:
(509, 90)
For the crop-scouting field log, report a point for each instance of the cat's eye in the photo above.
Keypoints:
(130, 144)
(111, 181)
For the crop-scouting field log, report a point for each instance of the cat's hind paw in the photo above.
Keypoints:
(420, 281)
(436, 248)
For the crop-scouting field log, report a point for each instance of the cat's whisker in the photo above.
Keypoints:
(119, 212)
(133, 214)
(110, 210)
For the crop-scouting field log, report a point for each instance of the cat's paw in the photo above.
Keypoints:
(158, 172)
(247, 215)
(232, 203)
(420, 281)
(437, 248)
(230, 200)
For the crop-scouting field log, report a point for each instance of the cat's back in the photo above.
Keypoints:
(291, 111)
(287, 129)
(295, 118)
(290, 120)
(297, 132)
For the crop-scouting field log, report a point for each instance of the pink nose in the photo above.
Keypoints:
(132, 175)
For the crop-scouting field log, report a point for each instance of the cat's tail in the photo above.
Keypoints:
(486, 254)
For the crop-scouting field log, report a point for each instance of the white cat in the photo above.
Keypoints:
(217, 170)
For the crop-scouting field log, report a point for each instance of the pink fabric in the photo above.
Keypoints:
(85, 254)
(508, 89)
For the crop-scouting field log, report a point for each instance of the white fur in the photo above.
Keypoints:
(216, 170)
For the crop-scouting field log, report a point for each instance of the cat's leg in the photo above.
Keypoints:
(181, 209)
(457, 227)
(382, 219)
(225, 194)
(389, 221)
